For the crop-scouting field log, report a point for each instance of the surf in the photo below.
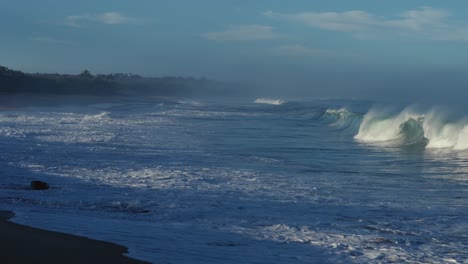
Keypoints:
(431, 129)
(269, 101)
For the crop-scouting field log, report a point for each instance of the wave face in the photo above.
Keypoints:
(412, 132)
(409, 128)
(269, 101)
(343, 119)
(405, 128)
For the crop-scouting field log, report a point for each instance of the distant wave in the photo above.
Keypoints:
(192, 103)
(269, 101)
(409, 128)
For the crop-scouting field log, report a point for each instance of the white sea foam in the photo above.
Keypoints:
(376, 127)
(340, 112)
(364, 248)
(269, 101)
(160, 177)
(338, 116)
(96, 118)
(191, 103)
(411, 126)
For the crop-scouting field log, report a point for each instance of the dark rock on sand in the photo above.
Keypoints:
(39, 185)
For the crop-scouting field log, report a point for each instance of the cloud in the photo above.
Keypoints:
(108, 18)
(242, 33)
(348, 21)
(296, 50)
(425, 22)
(417, 20)
(114, 18)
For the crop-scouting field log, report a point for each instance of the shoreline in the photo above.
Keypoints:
(24, 244)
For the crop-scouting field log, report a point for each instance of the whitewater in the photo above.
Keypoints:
(248, 181)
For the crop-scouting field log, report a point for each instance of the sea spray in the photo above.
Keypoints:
(408, 127)
(379, 127)
(446, 134)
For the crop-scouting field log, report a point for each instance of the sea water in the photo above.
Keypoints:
(251, 181)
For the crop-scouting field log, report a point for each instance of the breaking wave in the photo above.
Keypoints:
(430, 130)
(405, 128)
(343, 119)
(269, 101)
(408, 128)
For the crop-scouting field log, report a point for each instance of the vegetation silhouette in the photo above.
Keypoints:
(14, 82)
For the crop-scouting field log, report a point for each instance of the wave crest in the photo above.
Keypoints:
(408, 128)
(376, 127)
(269, 101)
(412, 132)
(343, 119)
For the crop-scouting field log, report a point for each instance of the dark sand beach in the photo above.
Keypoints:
(23, 244)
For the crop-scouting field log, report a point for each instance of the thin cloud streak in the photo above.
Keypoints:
(243, 33)
(108, 18)
(426, 22)
(349, 21)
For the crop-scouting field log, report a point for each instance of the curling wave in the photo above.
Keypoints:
(408, 128)
(343, 119)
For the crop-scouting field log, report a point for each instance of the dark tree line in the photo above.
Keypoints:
(85, 83)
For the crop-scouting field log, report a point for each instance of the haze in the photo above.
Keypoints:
(405, 50)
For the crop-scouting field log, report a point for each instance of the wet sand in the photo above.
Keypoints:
(23, 244)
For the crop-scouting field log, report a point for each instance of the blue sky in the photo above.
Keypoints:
(300, 42)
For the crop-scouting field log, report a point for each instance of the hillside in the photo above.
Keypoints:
(14, 82)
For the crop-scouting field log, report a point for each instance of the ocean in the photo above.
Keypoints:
(245, 181)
